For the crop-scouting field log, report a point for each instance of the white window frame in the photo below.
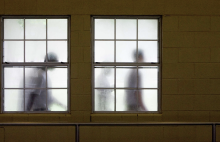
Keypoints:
(96, 64)
(43, 64)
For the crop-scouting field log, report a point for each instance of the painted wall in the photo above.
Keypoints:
(190, 69)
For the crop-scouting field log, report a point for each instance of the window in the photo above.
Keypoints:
(35, 64)
(126, 64)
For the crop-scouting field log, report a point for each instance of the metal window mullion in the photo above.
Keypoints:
(46, 61)
(137, 61)
(115, 66)
(24, 66)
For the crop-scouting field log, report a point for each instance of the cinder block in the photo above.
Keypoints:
(194, 55)
(77, 22)
(55, 133)
(87, 54)
(169, 86)
(153, 7)
(189, 7)
(193, 116)
(178, 102)
(74, 70)
(87, 86)
(84, 70)
(217, 133)
(77, 86)
(2, 7)
(75, 102)
(77, 6)
(2, 135)
(214, 116)
(51, 7)
(77, 116)
(106, 118)
(170, 55)
(145, 118)
(186, 133)
(85, 102)
(171, 133)
(170, 116)
(85, 38)
(37, 118)
(185, 70)
(207, 102)
(178, 39)
(170, 23)
(169, 71)
(186, 86)
(20, 118)
(202, 86)
(75, 39)
(149, 133)
(30, 7)
(207, 39)
(204, 133)
(215, 52)
(207, 70)
(109, 7)
(129, 117)
(194, 23)
(76, 54)
(87, 22)
(14, 7)
(215, 21)
(214, 86)
(87, 116)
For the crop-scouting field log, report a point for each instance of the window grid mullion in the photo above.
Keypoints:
(115, 66)
(24, 66)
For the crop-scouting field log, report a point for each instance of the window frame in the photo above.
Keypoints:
(158, 64)
(26, 64)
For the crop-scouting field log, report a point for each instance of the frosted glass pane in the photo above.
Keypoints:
(13, 100)
(148, 29)
(35, 51)
(57, 28)
(35, 28)
(150, 99)
(104, 28)
(57, 77)
(121, 100)
(149, 50)
(104, 51)
(125, 51)
(57, 100)
(35, 100)
(59, 48)
(104, 100)
(148, 77)
(126, 77)
(13, 77)
(35, 77)
(126, 29)
(104, 77)
(13, 51)
(13, 28)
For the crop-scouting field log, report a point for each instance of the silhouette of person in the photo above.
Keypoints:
(36, 95)
(134, 97)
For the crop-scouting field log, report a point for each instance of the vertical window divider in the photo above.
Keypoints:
(114, 64)
(24, 66)
(137, 62)
(46, 66)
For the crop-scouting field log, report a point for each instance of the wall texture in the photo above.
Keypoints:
(190, 68)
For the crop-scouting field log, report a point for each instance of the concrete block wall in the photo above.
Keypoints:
(190, 63)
